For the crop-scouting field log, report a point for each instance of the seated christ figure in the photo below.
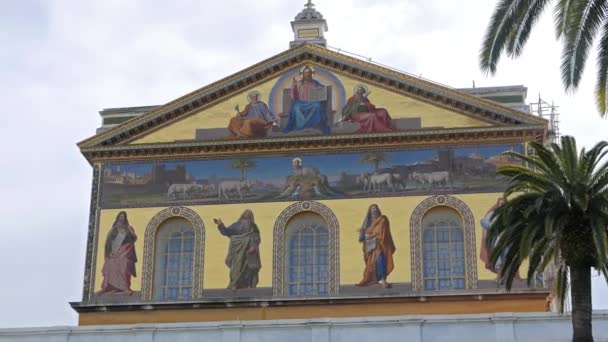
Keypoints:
(307, 111)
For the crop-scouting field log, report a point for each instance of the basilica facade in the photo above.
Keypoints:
(311, 184)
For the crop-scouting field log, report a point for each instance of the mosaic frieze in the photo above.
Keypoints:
(306, 177)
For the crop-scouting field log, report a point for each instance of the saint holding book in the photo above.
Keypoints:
(378, 248)
(308, 105)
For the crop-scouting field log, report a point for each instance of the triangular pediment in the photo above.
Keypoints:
(309, 90)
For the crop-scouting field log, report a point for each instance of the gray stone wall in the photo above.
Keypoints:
(454, 328)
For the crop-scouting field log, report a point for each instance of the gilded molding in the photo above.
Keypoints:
(278, 250)
(354, 142)
(469, 239)
(147, 289)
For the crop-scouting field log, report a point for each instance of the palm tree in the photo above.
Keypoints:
(558, 216)
(242, 164)
(375, 158)
(577, 23)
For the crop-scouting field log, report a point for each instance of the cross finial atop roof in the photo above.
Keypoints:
(309, 26)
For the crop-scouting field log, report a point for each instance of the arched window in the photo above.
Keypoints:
(306, 251)
(173, 260)
(173, 256)
(442, 233)
(307, 256)
(443, 250)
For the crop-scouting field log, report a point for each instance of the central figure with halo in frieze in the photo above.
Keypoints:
(308, 109)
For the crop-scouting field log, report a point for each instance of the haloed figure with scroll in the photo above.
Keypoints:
(243, 257)
(120, 258)
(378, 248)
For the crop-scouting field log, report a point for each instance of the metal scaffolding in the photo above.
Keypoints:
(550, 112)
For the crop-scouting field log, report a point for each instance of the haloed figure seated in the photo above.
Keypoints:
(254, 121)
(359, 109)
(307, 111)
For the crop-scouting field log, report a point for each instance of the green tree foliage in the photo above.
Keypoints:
(242, 164)
(557, 215)
(375, 158)
(577, 24)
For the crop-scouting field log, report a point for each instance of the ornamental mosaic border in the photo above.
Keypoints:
(431, 137)
(372, 195)
(278, 248)
(469, 238)
(88, 287)
(320, 138)
(260, 72)
(149, 249)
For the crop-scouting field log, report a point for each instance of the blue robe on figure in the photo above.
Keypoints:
(306, 114)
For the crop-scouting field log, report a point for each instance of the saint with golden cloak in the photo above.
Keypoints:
(254, 121)
(378, 248)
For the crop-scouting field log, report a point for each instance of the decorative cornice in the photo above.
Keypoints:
(274, 146)
(474, 295)
(189, 104)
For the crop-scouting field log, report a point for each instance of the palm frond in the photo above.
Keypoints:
(568, 157)
(563, 12)
(586, 18)
(523, 25)
(497, 33)
(557, 215)
(601, 88)
(599, 181)
(598, 231)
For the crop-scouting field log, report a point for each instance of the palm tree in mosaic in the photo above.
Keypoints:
(577, 24)
(242, 164)
(556, 215)
(375, 158)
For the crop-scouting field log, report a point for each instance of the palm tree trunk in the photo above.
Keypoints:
(580, 282)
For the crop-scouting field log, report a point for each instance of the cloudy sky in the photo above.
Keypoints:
(61, 61)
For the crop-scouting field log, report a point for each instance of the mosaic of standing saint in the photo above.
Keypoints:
(487, 247)
(243, 258)
(119, 257)
(378, 248)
